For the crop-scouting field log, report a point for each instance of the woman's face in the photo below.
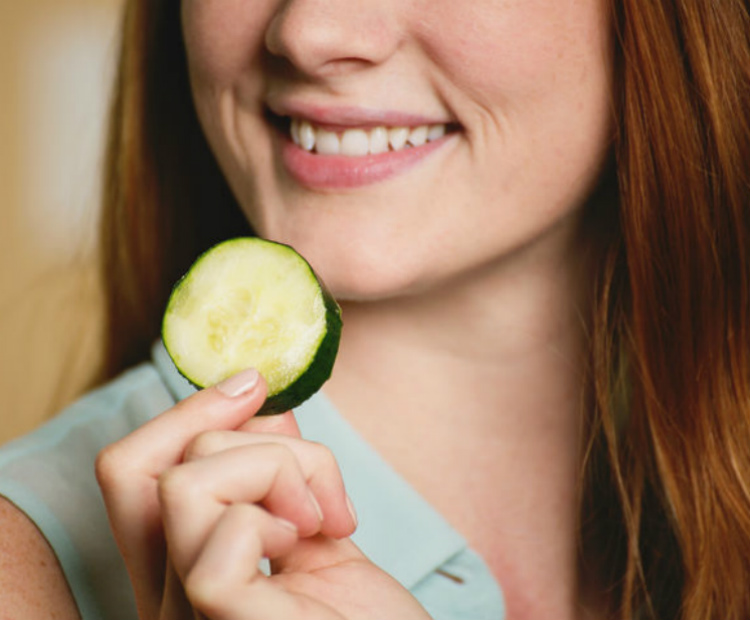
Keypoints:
(520, 89)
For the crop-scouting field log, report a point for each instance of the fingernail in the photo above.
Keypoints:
(286, 524)
(352, 512)
(315, 504)
(239, 384)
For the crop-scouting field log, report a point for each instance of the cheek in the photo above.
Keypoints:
(532, 78)
(223, 38)
(224, 42)
(506, 53)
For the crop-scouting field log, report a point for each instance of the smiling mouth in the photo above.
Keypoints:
(357, 141)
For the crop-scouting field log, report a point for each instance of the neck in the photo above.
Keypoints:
(498, 349)
(473, 393)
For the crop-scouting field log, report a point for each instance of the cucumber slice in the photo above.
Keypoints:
(247, 303)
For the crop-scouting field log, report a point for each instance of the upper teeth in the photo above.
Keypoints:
(359, 142)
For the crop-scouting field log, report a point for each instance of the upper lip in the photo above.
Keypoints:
(347, 116)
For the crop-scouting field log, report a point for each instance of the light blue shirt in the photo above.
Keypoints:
(49, 475)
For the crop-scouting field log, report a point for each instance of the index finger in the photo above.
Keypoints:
(160, 443)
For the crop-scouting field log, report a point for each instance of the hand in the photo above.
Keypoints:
(200, 494)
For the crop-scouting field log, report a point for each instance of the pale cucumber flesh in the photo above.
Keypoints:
(252, 303)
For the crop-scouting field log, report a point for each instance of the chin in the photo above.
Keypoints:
(368, 290)
(353, 280)
(354, 262)
(351, 273)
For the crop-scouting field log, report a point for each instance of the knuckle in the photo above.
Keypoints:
(110, 467)
(174, 486)
(324, 457)
(204, 444)
(281, 454)
(205, 593)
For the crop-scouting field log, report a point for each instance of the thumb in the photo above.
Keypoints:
(281, 424)
(161, 442)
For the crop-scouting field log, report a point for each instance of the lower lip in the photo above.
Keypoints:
(341, 172)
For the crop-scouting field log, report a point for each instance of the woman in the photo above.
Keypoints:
(543, 372)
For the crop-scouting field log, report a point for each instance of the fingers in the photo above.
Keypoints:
(294, 480)
(314, 461)
(192, 474)
(225, 583)
(161, 442)
(128, 470)
(280, 424)
(195, 495)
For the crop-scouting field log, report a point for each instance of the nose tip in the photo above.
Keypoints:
(327, 37)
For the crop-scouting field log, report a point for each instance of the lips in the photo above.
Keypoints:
(325, 155)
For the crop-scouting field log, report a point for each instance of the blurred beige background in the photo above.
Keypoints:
(56, 63)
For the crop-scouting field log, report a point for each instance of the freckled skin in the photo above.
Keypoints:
(31, 580)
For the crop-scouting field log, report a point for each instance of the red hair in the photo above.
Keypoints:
(164, 200)
(671, 327)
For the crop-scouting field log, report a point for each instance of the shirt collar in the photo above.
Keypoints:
(398, 529)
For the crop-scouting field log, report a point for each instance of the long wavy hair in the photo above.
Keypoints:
(665, 514)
